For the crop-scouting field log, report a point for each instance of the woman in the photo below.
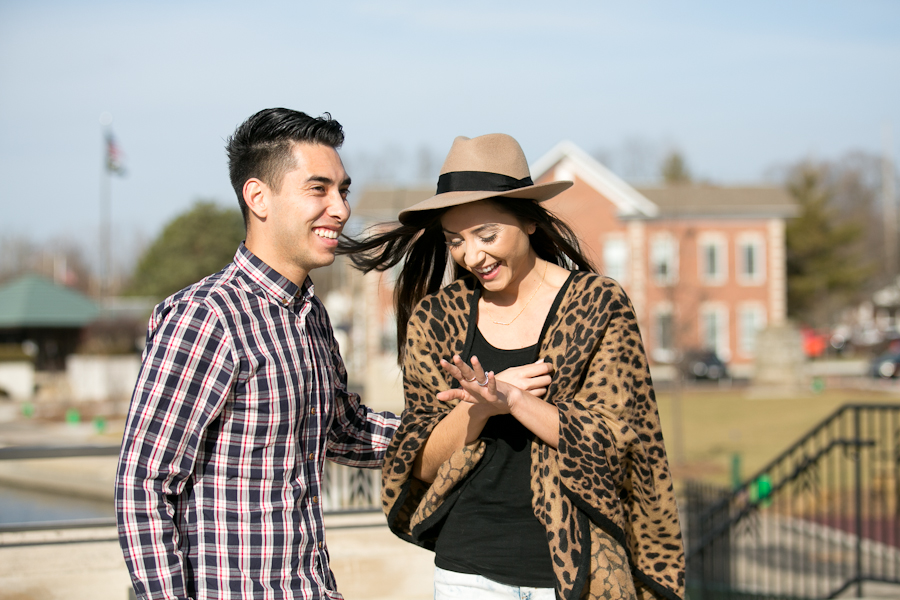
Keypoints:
(515, 480)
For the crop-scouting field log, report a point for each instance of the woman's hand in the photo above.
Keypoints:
(499, 397)
(534, 378)
(478, 387)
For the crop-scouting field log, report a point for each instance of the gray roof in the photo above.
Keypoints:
(715, 201)
(32, 301)
(384, 203)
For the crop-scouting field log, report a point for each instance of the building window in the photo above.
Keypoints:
(713, 259)
(751, 319)
(664, 259)
(714, 330)
(663, 334)
(751, 263)
(615, 258)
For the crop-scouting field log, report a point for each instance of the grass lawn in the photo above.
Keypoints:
(717, 423)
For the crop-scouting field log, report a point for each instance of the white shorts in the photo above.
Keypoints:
(449, 585)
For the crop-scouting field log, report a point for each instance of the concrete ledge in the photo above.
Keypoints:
(837, 368)
(84, 477)
(51, 565)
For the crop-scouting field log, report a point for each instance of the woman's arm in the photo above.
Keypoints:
(539, 417)
(460, 427)
(464, 423)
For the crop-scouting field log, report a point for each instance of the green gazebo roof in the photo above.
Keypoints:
(32, 301)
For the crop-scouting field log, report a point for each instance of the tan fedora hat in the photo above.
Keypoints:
(484, 167)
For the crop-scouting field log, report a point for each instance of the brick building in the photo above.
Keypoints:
(703, 265)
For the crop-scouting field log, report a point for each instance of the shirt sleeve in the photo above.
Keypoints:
(185, 378)
(359, 437)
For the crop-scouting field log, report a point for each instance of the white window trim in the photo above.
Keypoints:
(720, 241)
(742, 308)
(672, 277)
(626, 266)
(758, 241)
(723, 339)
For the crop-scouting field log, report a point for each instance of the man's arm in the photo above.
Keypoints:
(186, 375)
(359, 436)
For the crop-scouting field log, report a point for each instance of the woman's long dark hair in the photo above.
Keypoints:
(422, 249)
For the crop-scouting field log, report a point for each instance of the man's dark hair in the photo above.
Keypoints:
(262, 146)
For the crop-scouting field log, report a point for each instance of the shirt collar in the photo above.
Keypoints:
(271, 281)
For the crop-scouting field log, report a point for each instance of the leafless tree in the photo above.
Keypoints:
(60, 259)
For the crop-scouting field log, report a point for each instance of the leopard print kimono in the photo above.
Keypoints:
(605, 496)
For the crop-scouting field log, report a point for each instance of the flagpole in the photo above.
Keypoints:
(105, 207)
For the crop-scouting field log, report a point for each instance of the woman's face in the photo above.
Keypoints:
(490, 242)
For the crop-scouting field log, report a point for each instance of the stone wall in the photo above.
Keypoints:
(95, 377)
(17, 379)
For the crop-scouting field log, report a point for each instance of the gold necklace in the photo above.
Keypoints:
(491, 317)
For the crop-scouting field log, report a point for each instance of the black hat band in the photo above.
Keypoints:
(479, 181)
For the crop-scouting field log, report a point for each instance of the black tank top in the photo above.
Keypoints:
(491, 530)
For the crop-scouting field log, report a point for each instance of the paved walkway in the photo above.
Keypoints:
(369, 562)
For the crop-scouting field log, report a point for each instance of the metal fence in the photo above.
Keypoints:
(820, 521)
(345, 490)
(348, 489)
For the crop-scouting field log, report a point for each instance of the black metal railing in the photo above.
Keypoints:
(346, 490)
(820, 521)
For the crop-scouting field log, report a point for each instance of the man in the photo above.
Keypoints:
(243, 393)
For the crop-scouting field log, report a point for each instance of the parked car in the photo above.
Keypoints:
(815, 343)
(886, 366)
(703, 364)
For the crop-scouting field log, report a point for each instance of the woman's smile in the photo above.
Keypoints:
(488, 273)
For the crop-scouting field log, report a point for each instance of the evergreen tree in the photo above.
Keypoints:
(192, 246)
(674, 169)
(825, 270)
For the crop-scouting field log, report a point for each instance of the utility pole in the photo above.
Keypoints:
(889, 205)
(112, 165)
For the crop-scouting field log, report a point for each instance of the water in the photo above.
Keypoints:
(28, 506)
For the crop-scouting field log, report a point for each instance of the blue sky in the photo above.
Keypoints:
(737, 86)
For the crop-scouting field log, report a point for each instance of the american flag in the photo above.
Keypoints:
(113, 156)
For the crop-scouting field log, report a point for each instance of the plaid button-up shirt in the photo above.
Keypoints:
(241, 397)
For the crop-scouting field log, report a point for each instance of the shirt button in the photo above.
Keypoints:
(312, 411)
(286, 300)
(312, 456)
(315, 499)
(321, 545)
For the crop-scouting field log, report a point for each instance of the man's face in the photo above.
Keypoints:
(309, 211)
